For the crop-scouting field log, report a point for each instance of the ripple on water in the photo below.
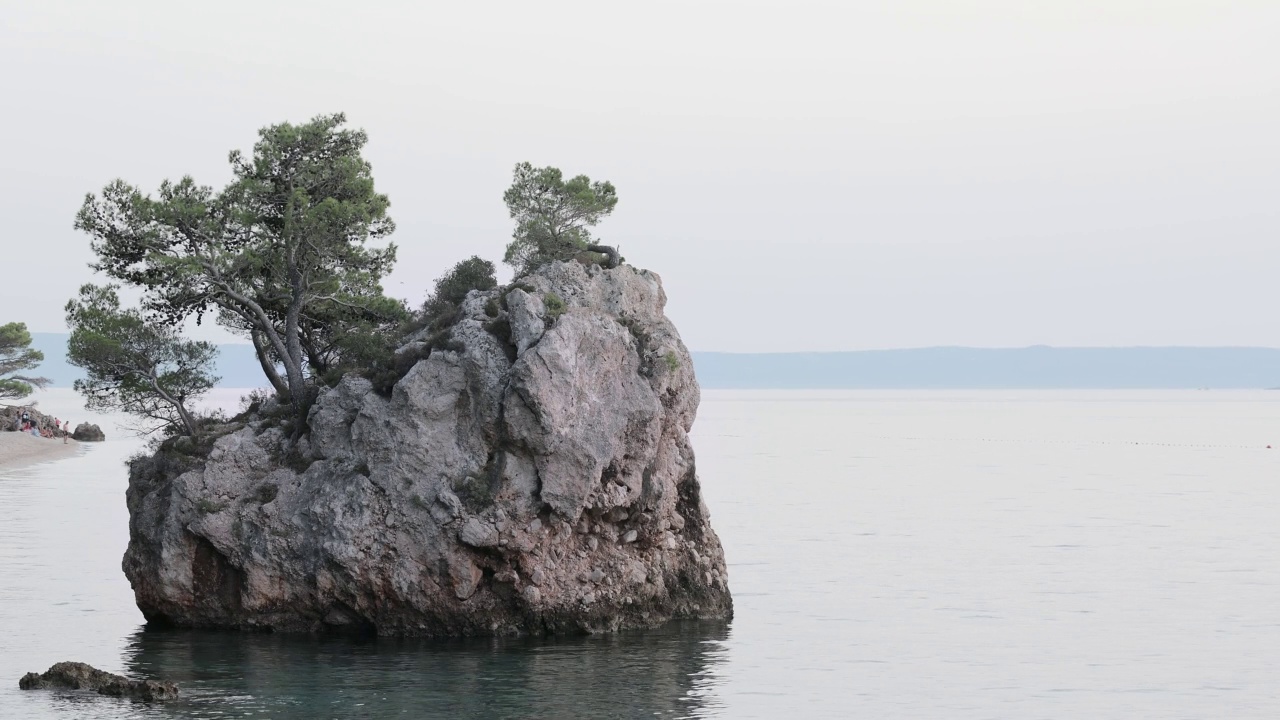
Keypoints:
(892, 555)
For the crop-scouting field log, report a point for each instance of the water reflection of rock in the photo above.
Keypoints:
(669, 672)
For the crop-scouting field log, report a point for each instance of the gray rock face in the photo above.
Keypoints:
(85, 432)
(79, 676)
(535, 476)
(11, 418)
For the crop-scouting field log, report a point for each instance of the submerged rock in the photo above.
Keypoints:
(532, 474)
(85, 432)
(79, 676)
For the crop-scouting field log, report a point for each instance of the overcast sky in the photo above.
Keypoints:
(804, 175)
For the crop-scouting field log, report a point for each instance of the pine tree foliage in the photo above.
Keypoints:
(16, 357)
(135, 365)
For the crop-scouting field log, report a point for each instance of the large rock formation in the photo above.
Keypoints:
(531, 473)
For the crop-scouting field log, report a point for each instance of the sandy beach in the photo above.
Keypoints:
(21, 449)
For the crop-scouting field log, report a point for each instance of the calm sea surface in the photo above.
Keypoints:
(1001, 554)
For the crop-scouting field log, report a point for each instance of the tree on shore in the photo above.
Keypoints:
(16, 356)
(280, 254)
(554, 216)
(143, 368)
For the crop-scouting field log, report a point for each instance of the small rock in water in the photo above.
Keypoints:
(85, 432)
(79, 676)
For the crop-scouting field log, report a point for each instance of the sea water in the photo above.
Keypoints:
(1001, 554)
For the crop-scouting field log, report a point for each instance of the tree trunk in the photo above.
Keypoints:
(187, 421)
(268, 367)
(292, 321)
(614, 258)
(318, 365)
(293, 369)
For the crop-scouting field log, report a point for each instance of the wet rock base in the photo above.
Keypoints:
(79, 676)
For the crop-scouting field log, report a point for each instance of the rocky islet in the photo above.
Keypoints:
(530, 473)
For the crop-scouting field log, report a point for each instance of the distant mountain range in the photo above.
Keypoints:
(919, 368)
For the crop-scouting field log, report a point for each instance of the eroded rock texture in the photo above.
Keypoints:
(533, 474)
(79, 676)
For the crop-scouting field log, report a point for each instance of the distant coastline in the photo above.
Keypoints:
(961, 368)
(939, 368)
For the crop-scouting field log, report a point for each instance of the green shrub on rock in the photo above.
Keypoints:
(554, 305)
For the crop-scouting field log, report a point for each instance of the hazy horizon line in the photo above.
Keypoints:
(1035, 346)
